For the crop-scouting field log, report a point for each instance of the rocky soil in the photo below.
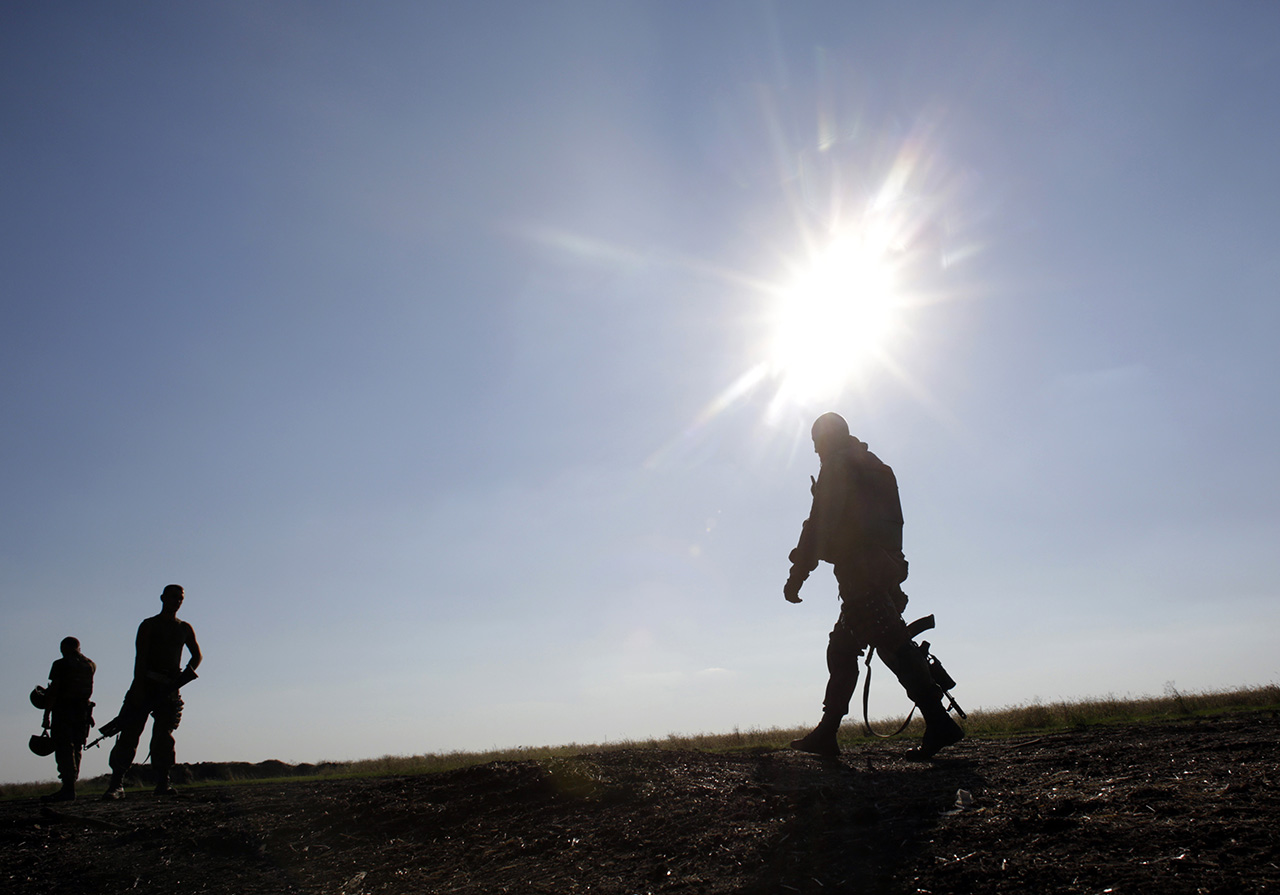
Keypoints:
(1172, 807)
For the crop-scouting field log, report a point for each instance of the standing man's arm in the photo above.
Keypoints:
(142, 649)
(51, 694)
(830, 492)
(194, 648)
(804, 557)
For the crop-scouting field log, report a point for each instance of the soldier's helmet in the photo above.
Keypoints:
(42, 744)
(40, 698)
(829, 429)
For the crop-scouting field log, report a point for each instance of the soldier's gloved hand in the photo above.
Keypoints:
(791, 590)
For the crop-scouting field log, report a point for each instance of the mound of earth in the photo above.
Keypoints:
(1172, 807)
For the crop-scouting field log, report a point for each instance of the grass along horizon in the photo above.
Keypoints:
(1018, 720)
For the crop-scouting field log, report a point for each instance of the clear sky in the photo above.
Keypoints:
(434, 348)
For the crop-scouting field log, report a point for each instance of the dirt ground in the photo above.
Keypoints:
(1172, 807)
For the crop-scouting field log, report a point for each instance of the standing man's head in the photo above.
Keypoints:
(830, 433)
(171, 597)
(70, 646)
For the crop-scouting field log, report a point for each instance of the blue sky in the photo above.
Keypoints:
(429, 346)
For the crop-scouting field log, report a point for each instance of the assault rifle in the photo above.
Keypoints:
(940, 677)
(116, 724)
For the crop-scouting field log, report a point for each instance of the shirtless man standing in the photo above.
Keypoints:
(157, 675)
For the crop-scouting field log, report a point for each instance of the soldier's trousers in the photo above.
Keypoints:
(69, 727)
(165, 710)
(870, 615)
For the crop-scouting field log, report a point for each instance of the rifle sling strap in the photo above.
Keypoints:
(917, 627)
(866, 700)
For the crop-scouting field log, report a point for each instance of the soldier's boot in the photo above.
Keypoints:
(822, 739)
(909, 665)
(115, 789)
(940, 731)
(66, 794)
(842, 682)
(163, 786)
(68, 771)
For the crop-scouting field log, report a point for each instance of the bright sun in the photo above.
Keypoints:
(836, 315)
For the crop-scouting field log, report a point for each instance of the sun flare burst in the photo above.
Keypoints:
(834, 316)
(874, 235)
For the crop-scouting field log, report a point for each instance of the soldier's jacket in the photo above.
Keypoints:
(71, 680)
(856, 517)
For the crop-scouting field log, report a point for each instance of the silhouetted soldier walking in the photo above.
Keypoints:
(856, 525)
(68, 714)
(154, 692)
